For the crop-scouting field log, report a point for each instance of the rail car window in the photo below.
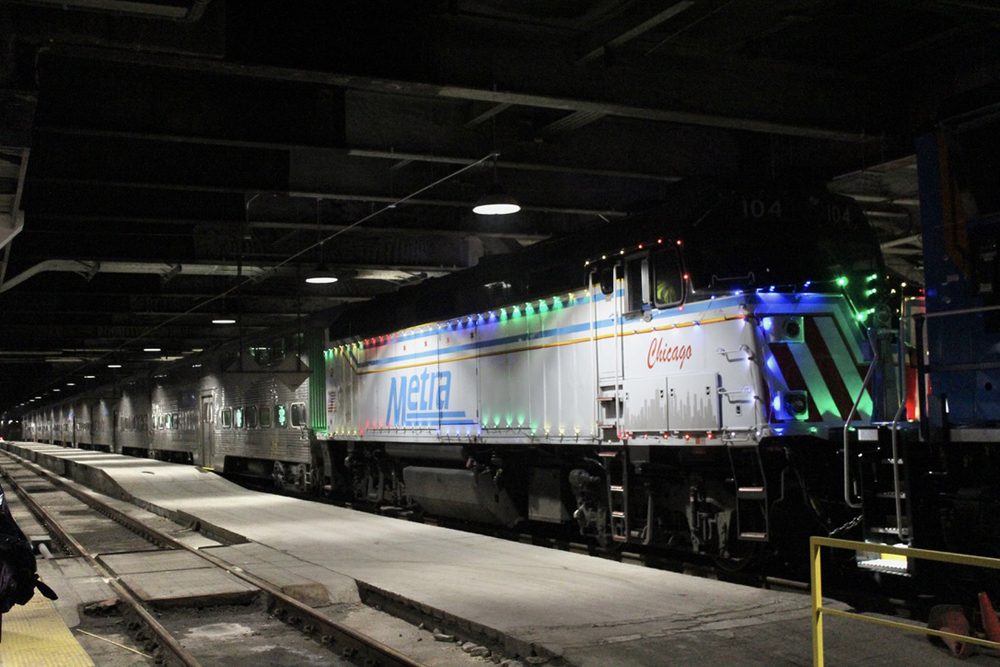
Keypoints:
(177, 421)
(261, 354)
(269, 353)
(238, 418)
(298, 414)
(280, 416)
(607, 280)
(251, 416)
(637, 284)
(668, 283)
(227, 417)
(265, 416)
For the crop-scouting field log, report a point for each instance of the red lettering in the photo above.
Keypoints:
(660, 352)
(654, 347)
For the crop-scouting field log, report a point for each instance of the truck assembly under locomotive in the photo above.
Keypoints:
(727, 374)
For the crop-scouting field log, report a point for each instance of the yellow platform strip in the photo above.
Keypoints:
(34, 635)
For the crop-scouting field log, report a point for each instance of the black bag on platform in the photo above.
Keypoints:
(18, 572)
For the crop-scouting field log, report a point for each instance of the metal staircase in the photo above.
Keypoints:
(885, 485)
(751, 494)
(616, 467)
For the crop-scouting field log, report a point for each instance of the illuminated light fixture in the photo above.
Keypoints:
(89, 377)
(321, 276)
(57, 390)
(224, 319)
(70, 384)
(114, 365)
(496, 201)
(150, 349)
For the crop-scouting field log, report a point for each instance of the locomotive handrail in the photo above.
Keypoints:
(619, 341)
(895, 475)
(744, 348)
(946, 313)
(816, 581)
(847, 428)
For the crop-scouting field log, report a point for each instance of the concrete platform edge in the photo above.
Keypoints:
(416, 612)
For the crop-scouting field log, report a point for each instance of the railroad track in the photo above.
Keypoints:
(116, 531)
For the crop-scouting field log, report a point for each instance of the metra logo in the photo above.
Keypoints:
(661, 352)
(422, 400)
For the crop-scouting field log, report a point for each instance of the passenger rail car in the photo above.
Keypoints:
(242, 413)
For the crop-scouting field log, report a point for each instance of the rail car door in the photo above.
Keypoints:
(207, 431)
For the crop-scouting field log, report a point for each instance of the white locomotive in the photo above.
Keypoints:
(691, 387)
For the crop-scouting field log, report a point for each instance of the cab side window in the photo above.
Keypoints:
(637, 284)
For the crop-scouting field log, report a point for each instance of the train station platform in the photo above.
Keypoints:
(527, 600)
(34, 635)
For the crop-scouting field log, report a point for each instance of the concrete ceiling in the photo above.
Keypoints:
(167, 160)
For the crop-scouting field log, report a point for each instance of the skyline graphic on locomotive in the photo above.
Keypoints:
(682, 378)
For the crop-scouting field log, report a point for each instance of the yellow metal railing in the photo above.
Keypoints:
(817, 588)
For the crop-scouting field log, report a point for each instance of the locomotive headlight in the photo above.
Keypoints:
(796, 404)
(785, 329)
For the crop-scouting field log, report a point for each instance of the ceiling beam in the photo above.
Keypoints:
(377, 153)
(636, 31)
(458, 92)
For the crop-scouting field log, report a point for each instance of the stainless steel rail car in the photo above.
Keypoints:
(238, 413)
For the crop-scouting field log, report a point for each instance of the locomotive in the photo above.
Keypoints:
(692, 377)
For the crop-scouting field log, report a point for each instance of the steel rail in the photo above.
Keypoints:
(180, 654)
(331, 631)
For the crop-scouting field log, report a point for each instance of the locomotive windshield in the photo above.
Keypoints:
(777, 242)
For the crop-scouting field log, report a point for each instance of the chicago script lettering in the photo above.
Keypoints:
(661, 352)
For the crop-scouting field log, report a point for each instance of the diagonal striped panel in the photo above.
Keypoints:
(794, 378)
(827, 366)
(847, 369)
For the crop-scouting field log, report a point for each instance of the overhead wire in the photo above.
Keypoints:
(242, 281)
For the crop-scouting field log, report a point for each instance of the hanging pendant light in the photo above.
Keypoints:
(321, 275)
(225, 317)
(496, 201)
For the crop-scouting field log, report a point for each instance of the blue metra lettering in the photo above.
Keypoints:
(422, 399)
(411, 394)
